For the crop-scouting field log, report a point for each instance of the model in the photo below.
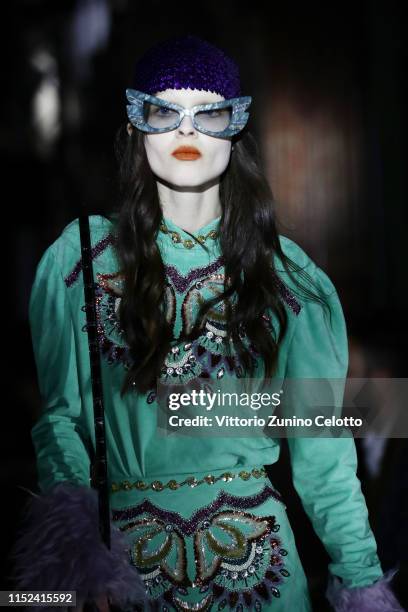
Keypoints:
(193, 285)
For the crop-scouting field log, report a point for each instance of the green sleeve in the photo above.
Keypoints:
(324, 469)
(58, 441)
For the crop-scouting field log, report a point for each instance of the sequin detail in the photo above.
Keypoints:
(181, 283)
(191, 481)
(288, 296)
(99, 247)
(108, 291)
(187, 62)
(209, 354)
(238, 558)
(187, 243)
(189, 525)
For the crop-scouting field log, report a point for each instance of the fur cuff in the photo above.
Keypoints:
(59, 547)
(377, 597)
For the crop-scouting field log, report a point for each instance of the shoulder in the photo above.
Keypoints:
(69, 238)
(319, 340)
(304, 270)
(293, 251)
(66, 249)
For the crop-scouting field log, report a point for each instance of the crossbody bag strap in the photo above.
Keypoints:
(99, 467)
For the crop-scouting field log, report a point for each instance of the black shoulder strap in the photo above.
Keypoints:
(99, 468)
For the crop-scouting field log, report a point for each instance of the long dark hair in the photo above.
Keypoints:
(248, 239)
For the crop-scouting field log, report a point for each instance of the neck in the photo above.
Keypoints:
(190, 207)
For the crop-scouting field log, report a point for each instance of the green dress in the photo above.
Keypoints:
(206, 528)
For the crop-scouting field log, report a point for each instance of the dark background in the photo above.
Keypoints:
(329, 115)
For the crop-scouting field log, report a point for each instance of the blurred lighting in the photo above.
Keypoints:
(88, 33)
(46, 106)
(313, 162)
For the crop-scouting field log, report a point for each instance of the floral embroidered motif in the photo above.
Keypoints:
(210, 354)
(108, 291)
(199, 358)
(238, 558)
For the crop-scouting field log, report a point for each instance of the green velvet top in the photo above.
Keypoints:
(324, 469)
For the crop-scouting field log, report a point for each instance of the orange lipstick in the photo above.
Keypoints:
(186, 153)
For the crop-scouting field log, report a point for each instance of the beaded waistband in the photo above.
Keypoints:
(191, 481)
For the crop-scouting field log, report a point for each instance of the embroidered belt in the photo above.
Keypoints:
(191, 481)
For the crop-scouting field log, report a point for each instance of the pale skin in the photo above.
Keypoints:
(188, 190)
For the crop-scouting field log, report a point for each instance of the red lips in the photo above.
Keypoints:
(186, 153)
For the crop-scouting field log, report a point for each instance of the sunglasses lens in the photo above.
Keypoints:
(159, 116)
(215, 120)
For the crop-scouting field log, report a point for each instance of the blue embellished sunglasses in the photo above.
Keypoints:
(154, 115)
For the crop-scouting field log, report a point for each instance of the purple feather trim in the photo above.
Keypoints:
(377, 597)
(59, 547)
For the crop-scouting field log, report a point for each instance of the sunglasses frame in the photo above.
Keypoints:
(137, 99)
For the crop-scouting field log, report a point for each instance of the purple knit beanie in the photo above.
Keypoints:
(187, 62)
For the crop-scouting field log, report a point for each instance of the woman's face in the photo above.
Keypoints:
(187, 171)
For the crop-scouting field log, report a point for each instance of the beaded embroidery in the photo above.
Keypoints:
(211, 350)
(208, 355)
(108, 291)
(187, 243)
(238, 558)
(181, 283)
(99, 247)
(158, 485)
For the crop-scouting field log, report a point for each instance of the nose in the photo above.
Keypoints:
(186, 126)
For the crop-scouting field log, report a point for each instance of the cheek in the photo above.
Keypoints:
(221, 157)
(155, 147)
